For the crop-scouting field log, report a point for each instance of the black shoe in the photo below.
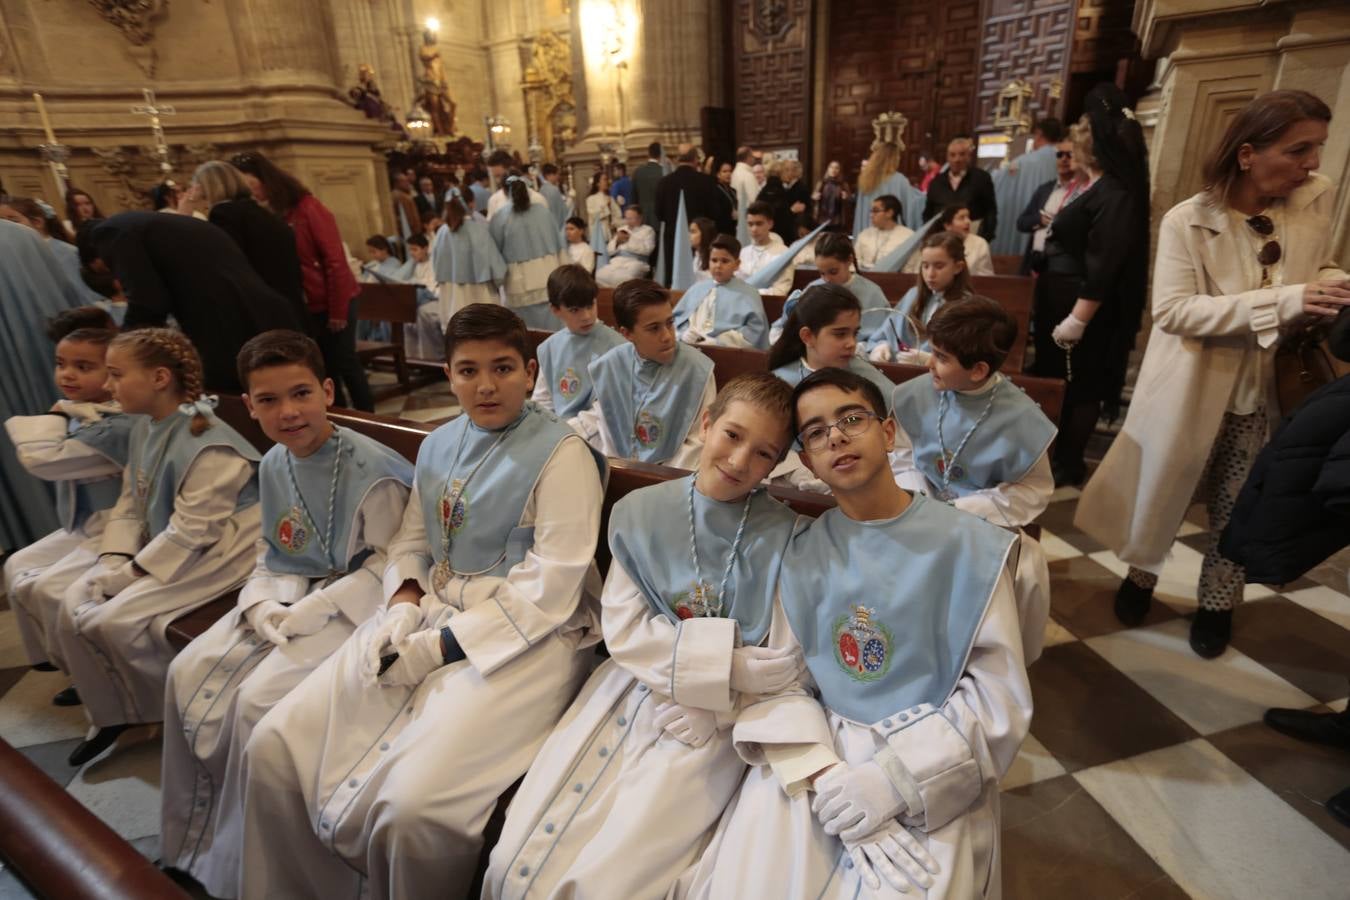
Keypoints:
(1067, 475)
(1132, 602)
(1339, 807)
(44, 667)
(68, 697)
(1332, 729)
(102, 740)
(1210, 631)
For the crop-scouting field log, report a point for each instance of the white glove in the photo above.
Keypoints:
(91, 583)
(913, 357)
(264, 618)
(897, 855)
(693, 336)
(764, 670)
(881, 353)
(686, 724)
(1069, 331)
(309, 614)
(419, 655)
(396, 623)
(111, 582)
(84, 412)
(854, 801)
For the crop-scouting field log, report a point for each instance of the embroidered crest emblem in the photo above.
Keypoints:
(941, 462)
(452, 518)
(862, 648)
(569, 384)
(648, 429)
(697, 602)
(293, 531)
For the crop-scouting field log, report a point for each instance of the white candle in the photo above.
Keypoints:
(46, 122)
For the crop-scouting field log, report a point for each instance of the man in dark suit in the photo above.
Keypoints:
(194, 271)
(701, 198)
(1046, 203)
(425, 198)
(644, 181)
(966, 185)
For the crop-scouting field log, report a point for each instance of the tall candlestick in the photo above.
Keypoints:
(46, 122)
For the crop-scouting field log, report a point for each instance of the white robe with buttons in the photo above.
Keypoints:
(614, 807)
(770, 844)
(116, 649)
(223, 682)
(37, 576)
(387, 789)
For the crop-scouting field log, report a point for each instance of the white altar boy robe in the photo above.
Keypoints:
(613, 806)
(117, 650)
(36, 577)
(770, 843)
(630, 259)
(222, 684)
(386, 789)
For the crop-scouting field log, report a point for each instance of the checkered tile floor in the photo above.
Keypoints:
(1148, 773)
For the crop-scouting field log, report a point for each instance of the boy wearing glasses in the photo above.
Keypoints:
(885, 234)
(905, 612)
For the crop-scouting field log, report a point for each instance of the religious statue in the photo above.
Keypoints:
(366, 97)
(435, 88)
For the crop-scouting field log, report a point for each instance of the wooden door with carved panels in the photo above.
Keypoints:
(916, 57)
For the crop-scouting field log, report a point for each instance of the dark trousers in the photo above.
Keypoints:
(339, 358)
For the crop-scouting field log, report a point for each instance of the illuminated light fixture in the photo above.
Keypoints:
(433, 24)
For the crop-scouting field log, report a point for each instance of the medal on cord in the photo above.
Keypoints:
(702, 600)
(143, 484)
(948, 467)
(451, 492)
(300, 513)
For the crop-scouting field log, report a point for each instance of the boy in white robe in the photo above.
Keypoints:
(650, 393)
(649, 738)
(904, 609)
(723, 309)
(331, 500)
(968, 436)
(765, 246)
(379, 772)
(884, 235)
(630, 250)
(181, 534)
(81, 444)
(564, 383)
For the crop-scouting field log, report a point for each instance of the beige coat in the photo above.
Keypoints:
(1203, 320)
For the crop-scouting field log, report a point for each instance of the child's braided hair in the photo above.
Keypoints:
(165, 348)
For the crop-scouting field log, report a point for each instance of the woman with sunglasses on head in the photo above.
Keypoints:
(1237, 264)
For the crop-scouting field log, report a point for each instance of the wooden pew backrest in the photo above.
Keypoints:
(387, 303)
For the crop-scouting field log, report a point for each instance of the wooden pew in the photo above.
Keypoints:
(397, 305)
(61, 849)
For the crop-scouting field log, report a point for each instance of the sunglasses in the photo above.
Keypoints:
(1063, 154)
(1270, 252)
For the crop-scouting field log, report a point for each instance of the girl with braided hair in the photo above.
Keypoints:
(181, 534)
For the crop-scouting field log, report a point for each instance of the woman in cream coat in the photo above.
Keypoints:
(1204, 403)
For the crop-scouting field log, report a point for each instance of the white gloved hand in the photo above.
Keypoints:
(687, 724)
(265, 619)
(91, 584)
(764, 670)
(111, 582)
(1069, 331)
(913, 357)
(854, 801)
(894, 854)
(419, 654)
(309, 614)
(881, 353)
(693, 336)
(396, 623)
(83, 411)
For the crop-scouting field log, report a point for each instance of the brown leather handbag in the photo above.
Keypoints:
(1302, 365)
